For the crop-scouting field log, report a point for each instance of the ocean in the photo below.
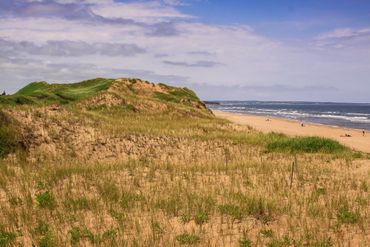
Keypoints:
(348, 115)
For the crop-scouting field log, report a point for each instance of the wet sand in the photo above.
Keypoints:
(293, 128)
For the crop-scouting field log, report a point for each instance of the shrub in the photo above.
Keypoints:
(285, 241)
(47, 240)
(245, 242)
(42, 228)
(6, 238)
(171, 206)
(45, 200)
(234, 211)
(109, 191)
(128, 199)
(200, 218)
(185, 218)
(8, 135)
(187, 238)
(78, 234)
(267, 233)
(303, 144)
(346, 216)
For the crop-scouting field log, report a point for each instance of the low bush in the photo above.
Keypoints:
(6, 238)
(45, 200)
(303, 144)
(188, 239)
(9, 139)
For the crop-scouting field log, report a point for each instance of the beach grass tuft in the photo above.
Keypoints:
(283, 143)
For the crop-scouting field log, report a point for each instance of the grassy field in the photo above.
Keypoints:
(200, 181)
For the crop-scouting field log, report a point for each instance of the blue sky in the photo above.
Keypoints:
(284, 18)
(314, 50)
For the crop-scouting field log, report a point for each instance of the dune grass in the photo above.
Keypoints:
(152, 203)
(9, 136)
(218, 185)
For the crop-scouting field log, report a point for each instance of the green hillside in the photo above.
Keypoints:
(41, 93)
(44, 93)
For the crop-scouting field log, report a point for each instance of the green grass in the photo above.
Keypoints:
(6, 237)
(245, 242)
(45, 200)
(267, 233)
(282, 143)
(347, 217)
(83, 233)
(234, 211)
(177, 95)
(78, 234)
(39, 93)
(188, 239)
(47, 240)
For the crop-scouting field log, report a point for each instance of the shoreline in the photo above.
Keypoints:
(292, 127)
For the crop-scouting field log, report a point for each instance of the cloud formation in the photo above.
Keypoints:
(71, 40)
(204, 64)
(67, 48)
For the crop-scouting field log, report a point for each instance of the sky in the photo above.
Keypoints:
(286, 50)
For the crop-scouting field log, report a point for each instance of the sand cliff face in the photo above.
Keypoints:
(53, 132)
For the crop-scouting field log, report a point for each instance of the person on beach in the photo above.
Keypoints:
(363, 132)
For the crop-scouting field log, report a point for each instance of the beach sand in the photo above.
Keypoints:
(293, 128)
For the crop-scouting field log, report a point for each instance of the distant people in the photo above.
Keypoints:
(363, 132)
(302, 124)
(267, 120)
(348, 135)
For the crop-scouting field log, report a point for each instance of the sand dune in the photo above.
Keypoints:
(293, 128)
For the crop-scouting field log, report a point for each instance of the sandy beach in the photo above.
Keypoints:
(293, 128)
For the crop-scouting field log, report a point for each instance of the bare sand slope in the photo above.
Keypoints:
(293, 128)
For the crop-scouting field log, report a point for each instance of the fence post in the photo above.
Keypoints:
(293, 167)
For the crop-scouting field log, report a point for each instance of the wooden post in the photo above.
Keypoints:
(294, 164)
(227, 155)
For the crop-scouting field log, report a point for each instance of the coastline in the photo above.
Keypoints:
(293, 128)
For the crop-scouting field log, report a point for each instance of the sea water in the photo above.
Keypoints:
(348, 115)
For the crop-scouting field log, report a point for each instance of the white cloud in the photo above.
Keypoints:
(148, 12)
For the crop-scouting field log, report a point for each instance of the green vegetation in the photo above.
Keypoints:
(77, 234)
(47, 240)
(245, 242)
(267, 233)
(9, 136)
(346, 216)
(176, 95)
(187, 238)
(279, 142)
(6, 238)
(45, 200)
(201, 217)
(40, 93)
(83, 233)
(234, 211)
